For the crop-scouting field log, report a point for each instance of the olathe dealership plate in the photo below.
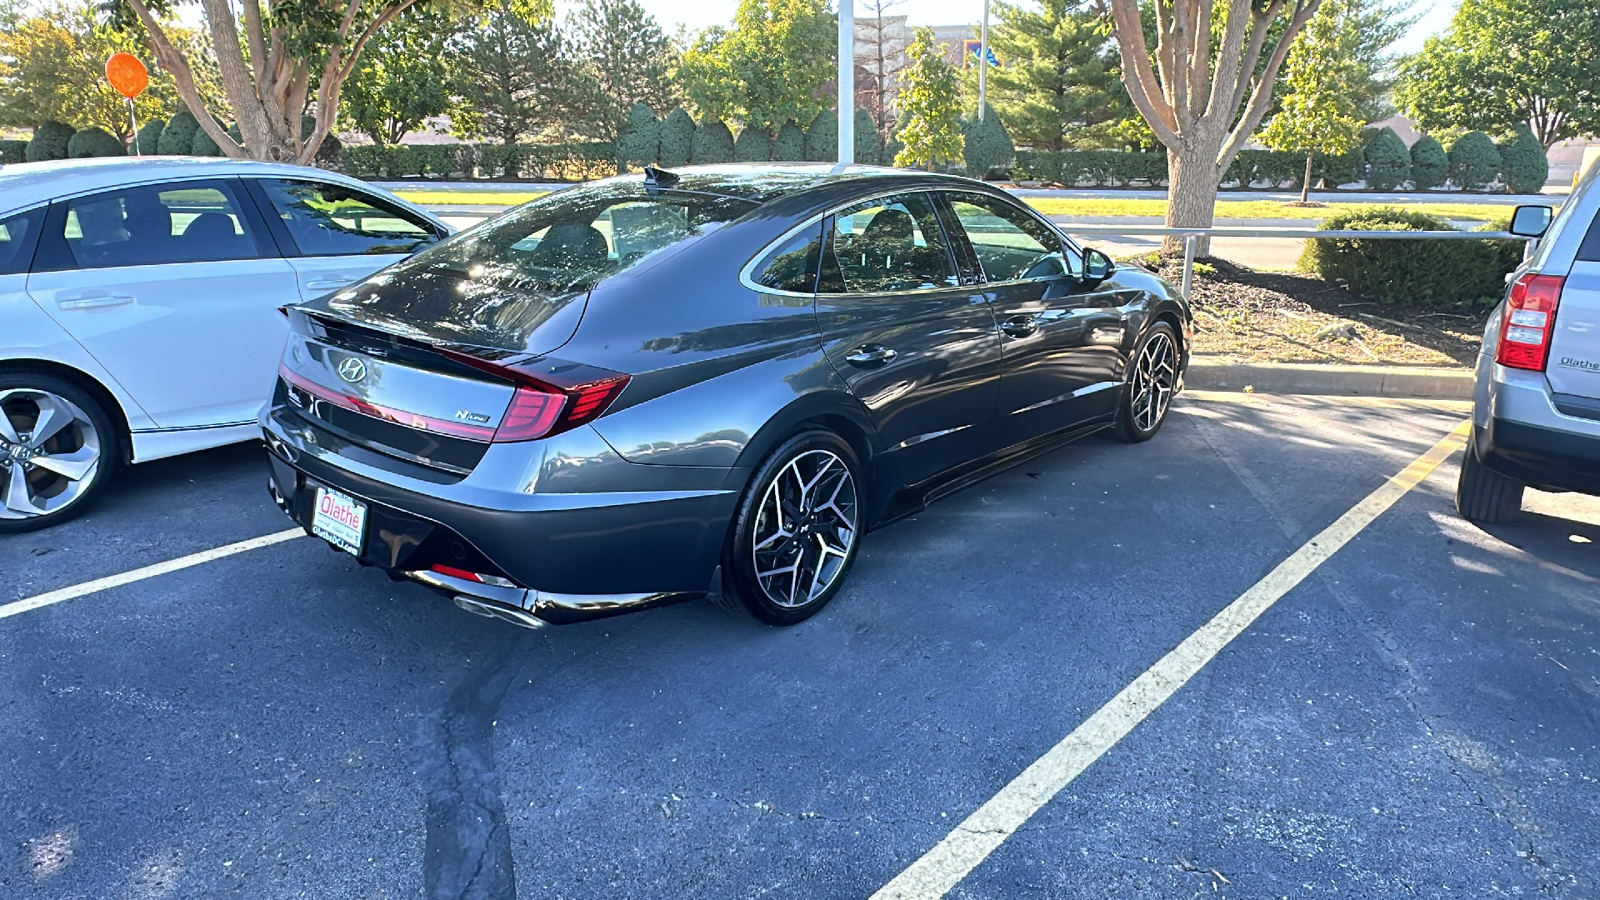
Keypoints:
(339, 519)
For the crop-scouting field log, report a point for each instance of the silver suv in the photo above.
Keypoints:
(1536, 410)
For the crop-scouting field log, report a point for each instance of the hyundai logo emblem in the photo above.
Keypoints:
(352, 369)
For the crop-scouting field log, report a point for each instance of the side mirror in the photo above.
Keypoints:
(1096, 265)
(1531, 221)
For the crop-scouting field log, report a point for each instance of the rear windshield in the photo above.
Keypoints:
(572, 240)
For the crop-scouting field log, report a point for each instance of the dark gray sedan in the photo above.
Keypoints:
(712, 382)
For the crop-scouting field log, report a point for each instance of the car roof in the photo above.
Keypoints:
(762, 182)
(26, 185)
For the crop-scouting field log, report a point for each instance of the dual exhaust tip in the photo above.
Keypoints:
(491, 610)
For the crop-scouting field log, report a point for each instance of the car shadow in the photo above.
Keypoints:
(1570, 543)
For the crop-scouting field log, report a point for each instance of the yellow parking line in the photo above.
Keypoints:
(151, 571)
(944, 866)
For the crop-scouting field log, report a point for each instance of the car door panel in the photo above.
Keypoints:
(1061, 337)
(920, 350)
(178, 298)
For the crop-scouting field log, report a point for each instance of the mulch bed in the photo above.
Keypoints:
(1242, 315)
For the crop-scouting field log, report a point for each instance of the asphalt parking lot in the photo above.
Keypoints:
(1419, 715)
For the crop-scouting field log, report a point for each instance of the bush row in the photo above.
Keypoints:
(1413, 272)
(557, 162)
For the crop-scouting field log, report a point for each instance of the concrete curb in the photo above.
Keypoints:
(1417, 382)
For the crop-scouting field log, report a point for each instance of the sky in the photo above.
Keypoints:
(697, 14)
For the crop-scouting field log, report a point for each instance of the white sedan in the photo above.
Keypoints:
(139, 306)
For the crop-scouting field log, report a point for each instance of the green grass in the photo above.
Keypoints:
(1070, 206)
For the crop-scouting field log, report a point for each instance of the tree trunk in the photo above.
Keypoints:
(1305, 186)
(1193, 177)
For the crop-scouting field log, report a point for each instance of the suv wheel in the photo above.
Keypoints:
(57, 447)
(1483, 495)
(796, 532)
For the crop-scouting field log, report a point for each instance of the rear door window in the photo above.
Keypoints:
(18, 235)
(156, 225)
(334, 220)
(888, 245)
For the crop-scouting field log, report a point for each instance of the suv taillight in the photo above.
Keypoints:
(1529, 320)
(541, 408)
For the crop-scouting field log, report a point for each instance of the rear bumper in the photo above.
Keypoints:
(1540, 457)
(570, 556)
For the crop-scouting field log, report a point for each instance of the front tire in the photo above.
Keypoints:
(1484, 495)
(796, 533)
(1151, 385)
(57, 448)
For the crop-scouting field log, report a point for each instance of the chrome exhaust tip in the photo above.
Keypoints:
(499, 611)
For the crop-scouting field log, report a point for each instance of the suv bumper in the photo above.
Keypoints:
(1543, 458)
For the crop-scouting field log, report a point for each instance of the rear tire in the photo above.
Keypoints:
(45, 480)
(796, 532)
(1483, 495)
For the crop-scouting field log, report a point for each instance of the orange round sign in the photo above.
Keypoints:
(127, 74)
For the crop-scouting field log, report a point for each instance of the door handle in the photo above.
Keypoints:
(1020, 326)
(102, 301)
(870, 355)
(328, 284)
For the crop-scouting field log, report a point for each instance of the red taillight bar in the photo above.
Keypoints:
(399, 417)
(541, 408)
(1529, 322)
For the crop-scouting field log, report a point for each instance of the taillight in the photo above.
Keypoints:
(1529, 321)
(542, 407)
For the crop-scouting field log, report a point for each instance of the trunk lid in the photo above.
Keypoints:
(1573, 367)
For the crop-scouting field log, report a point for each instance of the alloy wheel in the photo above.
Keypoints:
(1155, 378)
(49, 453)
(805, 529)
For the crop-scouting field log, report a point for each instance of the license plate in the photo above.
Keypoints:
(339, 519)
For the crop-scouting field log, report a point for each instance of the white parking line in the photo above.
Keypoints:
(172, 565)
(944, 866)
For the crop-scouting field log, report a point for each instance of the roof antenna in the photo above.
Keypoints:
(655, 176)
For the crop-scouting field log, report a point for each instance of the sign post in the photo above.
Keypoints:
(847, 82)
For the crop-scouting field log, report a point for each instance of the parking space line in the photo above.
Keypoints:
(944, 866)
(151, 571)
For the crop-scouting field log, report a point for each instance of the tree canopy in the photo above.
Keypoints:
(515, 74)
(403, 78)
(773, 65)
(1508, 61)
(626, 58)
(930, 104)
(1058, 86)
(1319, 114)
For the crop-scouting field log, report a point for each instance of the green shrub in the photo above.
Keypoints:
(329, 152)
(555, 162)
(1410, 272)
(640, 141)
(1336, 169)
(178, 137)
(790, 143)
(1522, 161)
(203, 145)
(1429, 164)
(1388, 161)
(94, 142)
(869, 149)
(677, 138)
(753, 145)
(49, 142)
(147, 142)
(987, 147)
(1276, 168)
(1474, 161)
(822, 137)
(13, 152)
(713, 143)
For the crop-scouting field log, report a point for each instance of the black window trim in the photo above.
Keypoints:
(1070, 249)
(53, 255)
(27, 253)
(285, 239)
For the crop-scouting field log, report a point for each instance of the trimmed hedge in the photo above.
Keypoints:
(1474, 161)
(790, 144)
(1429, 164)
(1388, 161)
(1523, 165)
(93, 142)
(148, 141)
(822, 137)
(1406, 272)
(13, 152)
(713, 144)
(640, 142)
(552, 162)
(49, 142)
(677, 139)
(988, 148)
(869, 148)
(753, 145)
(203, 145)
(178, 137)
(1099, 168)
